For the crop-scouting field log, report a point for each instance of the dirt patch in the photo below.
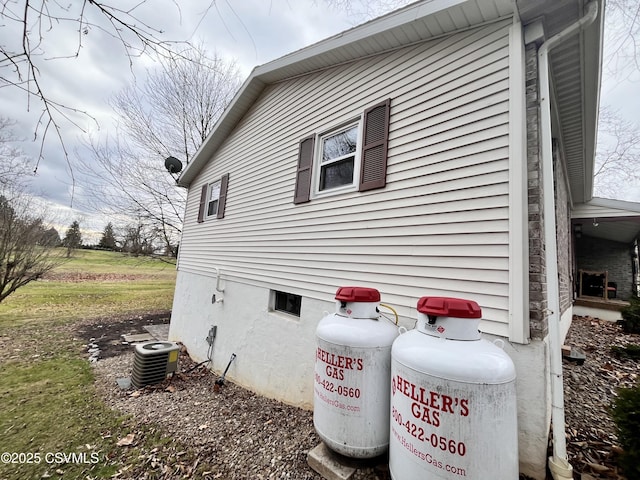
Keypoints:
(77, 277)
(107, 333)
(234, 433)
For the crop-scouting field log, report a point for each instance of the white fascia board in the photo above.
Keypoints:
(361, 32)
(594, 208)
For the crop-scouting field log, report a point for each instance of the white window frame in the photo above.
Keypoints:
(317, 160)
(211, 188)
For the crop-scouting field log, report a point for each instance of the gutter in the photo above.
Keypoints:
(558, 463)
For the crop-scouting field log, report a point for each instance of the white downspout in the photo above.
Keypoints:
(558, 463)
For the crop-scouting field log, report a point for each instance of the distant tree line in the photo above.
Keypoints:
(136, 239)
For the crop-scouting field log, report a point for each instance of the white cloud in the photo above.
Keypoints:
(253, 32)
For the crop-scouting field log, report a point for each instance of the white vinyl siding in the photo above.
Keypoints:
(439, 227)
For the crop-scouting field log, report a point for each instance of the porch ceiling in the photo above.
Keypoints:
(608, 219)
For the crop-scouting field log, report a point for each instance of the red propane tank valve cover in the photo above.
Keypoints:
(449, 307)
(357, 294)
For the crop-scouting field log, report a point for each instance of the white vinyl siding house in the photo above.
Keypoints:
(459, 206)
(440, 225)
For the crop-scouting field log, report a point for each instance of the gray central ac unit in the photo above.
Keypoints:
(153, 361)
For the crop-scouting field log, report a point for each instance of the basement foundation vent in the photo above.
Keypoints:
(153, 361)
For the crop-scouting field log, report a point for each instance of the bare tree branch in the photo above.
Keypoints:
(13, 164)
(622, 38)
(170, 114)
(618, 154)
(36, 20)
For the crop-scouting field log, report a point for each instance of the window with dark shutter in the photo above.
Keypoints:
(203, 202)
(213, 199)
(222, 200)
(303, 174)
(373, 171)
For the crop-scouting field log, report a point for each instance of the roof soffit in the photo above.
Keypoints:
(576, 74)
(609, 219)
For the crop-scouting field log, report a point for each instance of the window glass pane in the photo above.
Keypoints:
(337, 174)
(288, 302)
(340, 144)
(214, 195)
(212, 209)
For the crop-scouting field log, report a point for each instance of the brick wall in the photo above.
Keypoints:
(563, 233)
(537, 284)
(597, 254)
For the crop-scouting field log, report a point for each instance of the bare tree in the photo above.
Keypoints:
(27, 244)
(139, 239)
(13, 165)
(27, 248)
(32, 27)
(170, 114)
(123, 185)
(174, 110)
(618, 154)
(361, 10)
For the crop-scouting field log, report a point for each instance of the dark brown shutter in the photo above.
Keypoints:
(373, 172)
(222, 200)
(303, 174)
(203, 201)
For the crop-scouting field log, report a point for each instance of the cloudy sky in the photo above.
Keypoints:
(252, 32)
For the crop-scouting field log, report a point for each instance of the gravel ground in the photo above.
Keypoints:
(236, 434)
(589, 390)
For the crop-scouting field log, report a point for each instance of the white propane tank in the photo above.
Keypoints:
(453, 399)
(352, 375)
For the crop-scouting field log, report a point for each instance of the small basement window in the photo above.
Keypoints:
(287, 303)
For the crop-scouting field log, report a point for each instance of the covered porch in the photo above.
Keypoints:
(598, 307)
(605, 256)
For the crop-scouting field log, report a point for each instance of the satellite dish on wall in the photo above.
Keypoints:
(173, 165)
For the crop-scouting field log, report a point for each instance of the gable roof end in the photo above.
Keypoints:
(415, 23)
(575, 69)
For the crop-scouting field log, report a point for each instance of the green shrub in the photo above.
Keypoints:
(631, 351)
(631, 316)
(626, 415)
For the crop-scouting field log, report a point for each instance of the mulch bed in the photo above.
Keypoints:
(589, 390)
(239, 433)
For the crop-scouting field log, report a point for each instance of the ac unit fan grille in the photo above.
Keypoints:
(153, 361)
